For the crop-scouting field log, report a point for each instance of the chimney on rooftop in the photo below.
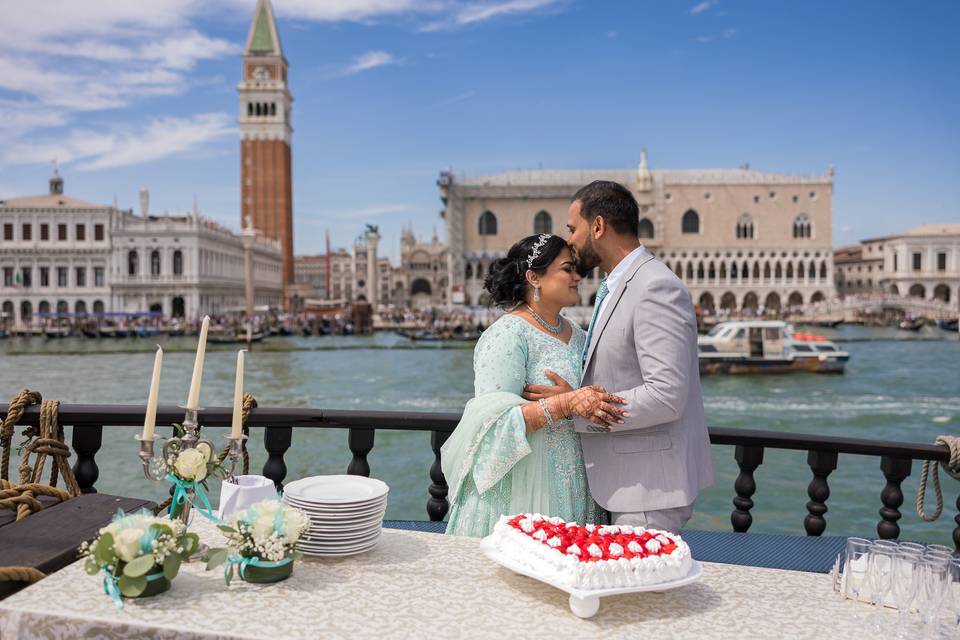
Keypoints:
(144, 202)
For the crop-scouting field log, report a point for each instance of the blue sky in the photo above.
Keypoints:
(389, 92)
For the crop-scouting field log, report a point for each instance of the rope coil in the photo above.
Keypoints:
(952, 469)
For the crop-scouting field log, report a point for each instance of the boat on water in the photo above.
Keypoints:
(948, 325)
(912, 324)
(435, 336)
(767, 346)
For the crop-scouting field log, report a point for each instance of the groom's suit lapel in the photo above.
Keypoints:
(604, 318)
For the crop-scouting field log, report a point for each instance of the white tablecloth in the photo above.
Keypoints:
(424, 585)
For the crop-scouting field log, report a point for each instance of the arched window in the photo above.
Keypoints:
(273, 108)
(756, 271)
(154, 263)
(700, 272)
(178, 263)
(249, 109)
(258, 109)
(745, 227)
(802, 227)
(468, 272)
(487, 225)
(812, 271)
(479, 271)
(733, 272)
(723, 271)
(133, 263)
(778, 272)
(745, 271)
(766, 271)
(98, 306)
(44, 307)
(823, 270)
(690, 222)
(678, 269)
(646, 229)
(542, 223)
(689, 271)
(80, 307)
(789, 271)
(711, 272)
(26, 311)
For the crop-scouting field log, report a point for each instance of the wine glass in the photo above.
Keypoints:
(904, 584)
(878, 575)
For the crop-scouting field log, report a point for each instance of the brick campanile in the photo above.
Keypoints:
(266, 178)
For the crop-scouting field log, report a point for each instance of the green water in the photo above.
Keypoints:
(896, 387)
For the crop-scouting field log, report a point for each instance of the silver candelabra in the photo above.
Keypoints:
(156, 469)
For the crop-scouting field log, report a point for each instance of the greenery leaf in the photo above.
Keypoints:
(191, 542)
(171, 565)
(215, 558)
(228, 576)
(90, 566)
(132, 586)
(139, 566)
(103, 551)
(226, 529)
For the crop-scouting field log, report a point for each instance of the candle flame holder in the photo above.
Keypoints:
(234, 453)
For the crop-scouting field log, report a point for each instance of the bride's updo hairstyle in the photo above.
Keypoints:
(506, 281)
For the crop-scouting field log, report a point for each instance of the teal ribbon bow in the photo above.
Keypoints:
(255, 561)
(111, 586)
(181, 494)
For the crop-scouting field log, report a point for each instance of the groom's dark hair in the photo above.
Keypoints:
(611, 201)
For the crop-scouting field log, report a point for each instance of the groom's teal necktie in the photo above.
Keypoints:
(601, 294)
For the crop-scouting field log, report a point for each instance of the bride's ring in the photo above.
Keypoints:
(598, 413)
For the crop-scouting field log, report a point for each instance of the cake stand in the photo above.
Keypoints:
(584, 603)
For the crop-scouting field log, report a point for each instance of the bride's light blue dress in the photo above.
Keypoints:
(508, 470)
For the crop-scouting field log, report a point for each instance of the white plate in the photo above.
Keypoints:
(344, 527)
(325, 538)
(381, 504)
(342, 535)
(337, 554)
(337, 489)
(334, 505)
(586, 602)
(337, 548)
(335, 513)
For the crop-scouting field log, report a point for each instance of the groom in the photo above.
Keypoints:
(641, 345)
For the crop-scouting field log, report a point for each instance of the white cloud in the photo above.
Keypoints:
(466, 95)
(369, 60)
(124, 146)
(464, 14)
(701, 7)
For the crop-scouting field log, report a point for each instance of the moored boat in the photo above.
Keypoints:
(767, 346)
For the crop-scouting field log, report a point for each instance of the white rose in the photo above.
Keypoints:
(263, 527)
(294, 523)
(126, 543)
(191, 464)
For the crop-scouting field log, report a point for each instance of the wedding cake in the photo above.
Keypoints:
(591, 556)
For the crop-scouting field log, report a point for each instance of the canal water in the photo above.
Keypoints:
(897, 386)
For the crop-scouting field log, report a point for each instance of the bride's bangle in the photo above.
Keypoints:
(546, 412)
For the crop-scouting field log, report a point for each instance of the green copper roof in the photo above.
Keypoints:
(262, 33)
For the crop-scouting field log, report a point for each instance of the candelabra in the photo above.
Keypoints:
(160, 469)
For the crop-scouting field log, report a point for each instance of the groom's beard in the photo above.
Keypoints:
(587, 259)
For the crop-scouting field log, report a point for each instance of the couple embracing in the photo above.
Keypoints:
(603, 426)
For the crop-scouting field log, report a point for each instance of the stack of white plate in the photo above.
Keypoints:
(346, 513)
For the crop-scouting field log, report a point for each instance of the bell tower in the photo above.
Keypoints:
(266, 185)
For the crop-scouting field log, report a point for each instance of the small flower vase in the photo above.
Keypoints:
(157, 583)
(265, 575)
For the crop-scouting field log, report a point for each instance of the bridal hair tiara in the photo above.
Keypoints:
(535, 253)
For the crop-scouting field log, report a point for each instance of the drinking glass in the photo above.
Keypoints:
(903, 585)
(952, 599)
(890, 544)
(878, 575)
(933, 584)
(855, 563)
(914, 546)
(938, 548)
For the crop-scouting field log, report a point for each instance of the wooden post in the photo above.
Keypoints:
(748, 459)
(896, 471)
(360, 442)
(276, 440)
(821, 463)
(437, 504)
(86, 442)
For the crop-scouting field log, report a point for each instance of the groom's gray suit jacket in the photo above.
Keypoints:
(644, 348)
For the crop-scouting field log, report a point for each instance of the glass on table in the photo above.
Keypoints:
(914, 546)
(933, 573)
(904, 582)
(952, 597)
(879, 574)
(855, 561)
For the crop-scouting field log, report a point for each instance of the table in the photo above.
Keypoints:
(425, 585)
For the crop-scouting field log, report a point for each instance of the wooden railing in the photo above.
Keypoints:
(278, 423)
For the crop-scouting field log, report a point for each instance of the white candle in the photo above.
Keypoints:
(150, 418)
(193, 399)
(237, 425)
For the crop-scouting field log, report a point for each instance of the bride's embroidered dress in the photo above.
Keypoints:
(492, 465)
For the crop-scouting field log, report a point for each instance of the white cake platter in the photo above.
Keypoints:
(584, 603)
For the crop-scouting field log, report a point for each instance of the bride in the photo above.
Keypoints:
(508, 455)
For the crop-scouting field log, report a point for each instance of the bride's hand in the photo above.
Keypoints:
(542, 391)
(594, 404)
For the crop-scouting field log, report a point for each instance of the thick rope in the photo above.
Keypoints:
(14, 412)
(21, 574)
(249, 403)
(952, 468)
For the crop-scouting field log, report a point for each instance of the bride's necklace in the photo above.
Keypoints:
(556, 329)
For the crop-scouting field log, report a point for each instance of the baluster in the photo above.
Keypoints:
(86, 442)
(437, 504)
(895, 470)
(360, 442)
(748, 459)
(821, 463)
(276, 440)
(956, 531)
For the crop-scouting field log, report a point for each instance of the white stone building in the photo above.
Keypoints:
(923, 262)
(188, 266)
(55, 255)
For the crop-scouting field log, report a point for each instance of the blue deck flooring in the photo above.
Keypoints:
(772, 551)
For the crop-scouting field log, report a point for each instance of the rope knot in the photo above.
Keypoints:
(952, 469)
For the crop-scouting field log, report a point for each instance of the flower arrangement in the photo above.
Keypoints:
(138, 554)
(188, 469)
(260, 541)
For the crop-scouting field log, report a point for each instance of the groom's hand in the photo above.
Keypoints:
(543, 391)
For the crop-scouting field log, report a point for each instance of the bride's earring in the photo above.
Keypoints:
(536, 294)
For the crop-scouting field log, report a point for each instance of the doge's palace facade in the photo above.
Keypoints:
(740, 239)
